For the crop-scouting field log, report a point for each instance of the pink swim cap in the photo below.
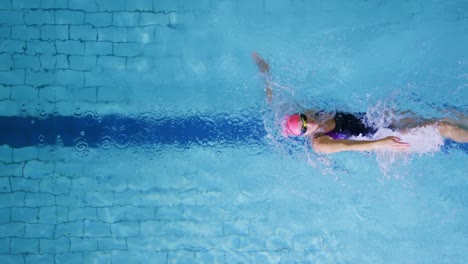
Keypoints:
(291, 125)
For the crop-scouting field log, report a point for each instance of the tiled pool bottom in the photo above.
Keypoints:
(186, 207)
(75, 210)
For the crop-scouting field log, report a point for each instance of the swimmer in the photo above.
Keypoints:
(332, 133)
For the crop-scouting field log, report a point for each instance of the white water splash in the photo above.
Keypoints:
(423, 140)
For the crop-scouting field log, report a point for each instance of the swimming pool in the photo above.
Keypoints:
(137, 131)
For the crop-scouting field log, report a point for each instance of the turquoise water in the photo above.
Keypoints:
(149, 138)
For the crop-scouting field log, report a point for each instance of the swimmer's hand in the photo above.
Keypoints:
(394, 143)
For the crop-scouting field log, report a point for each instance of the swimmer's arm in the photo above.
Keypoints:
(327, 145)
(269, 92)
(264, 68)
(313, 112)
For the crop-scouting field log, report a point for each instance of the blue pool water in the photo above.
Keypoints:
(138, 132)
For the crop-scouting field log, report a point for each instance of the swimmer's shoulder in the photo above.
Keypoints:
(320, 142)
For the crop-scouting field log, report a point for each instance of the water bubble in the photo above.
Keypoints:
(89, 114)
(89, 117)
(55, 111)
(122, 141)
(81, 145)
(78, 111)
(106, 142)
(41, 140)
(137, 140)
(82, 133)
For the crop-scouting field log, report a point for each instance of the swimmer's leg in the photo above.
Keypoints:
(461, 118)
(447, 128)
(456, 132)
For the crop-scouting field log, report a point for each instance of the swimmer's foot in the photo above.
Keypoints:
(261, 63)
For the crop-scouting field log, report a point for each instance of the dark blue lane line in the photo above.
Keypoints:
(121, 130)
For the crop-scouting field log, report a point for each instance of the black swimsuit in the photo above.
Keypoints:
(348, 125)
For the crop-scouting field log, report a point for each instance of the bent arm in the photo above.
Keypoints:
(327, 145)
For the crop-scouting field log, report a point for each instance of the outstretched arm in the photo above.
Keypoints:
(328, 145)
(264, 68)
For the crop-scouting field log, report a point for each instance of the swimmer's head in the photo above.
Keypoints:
(295, 125)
